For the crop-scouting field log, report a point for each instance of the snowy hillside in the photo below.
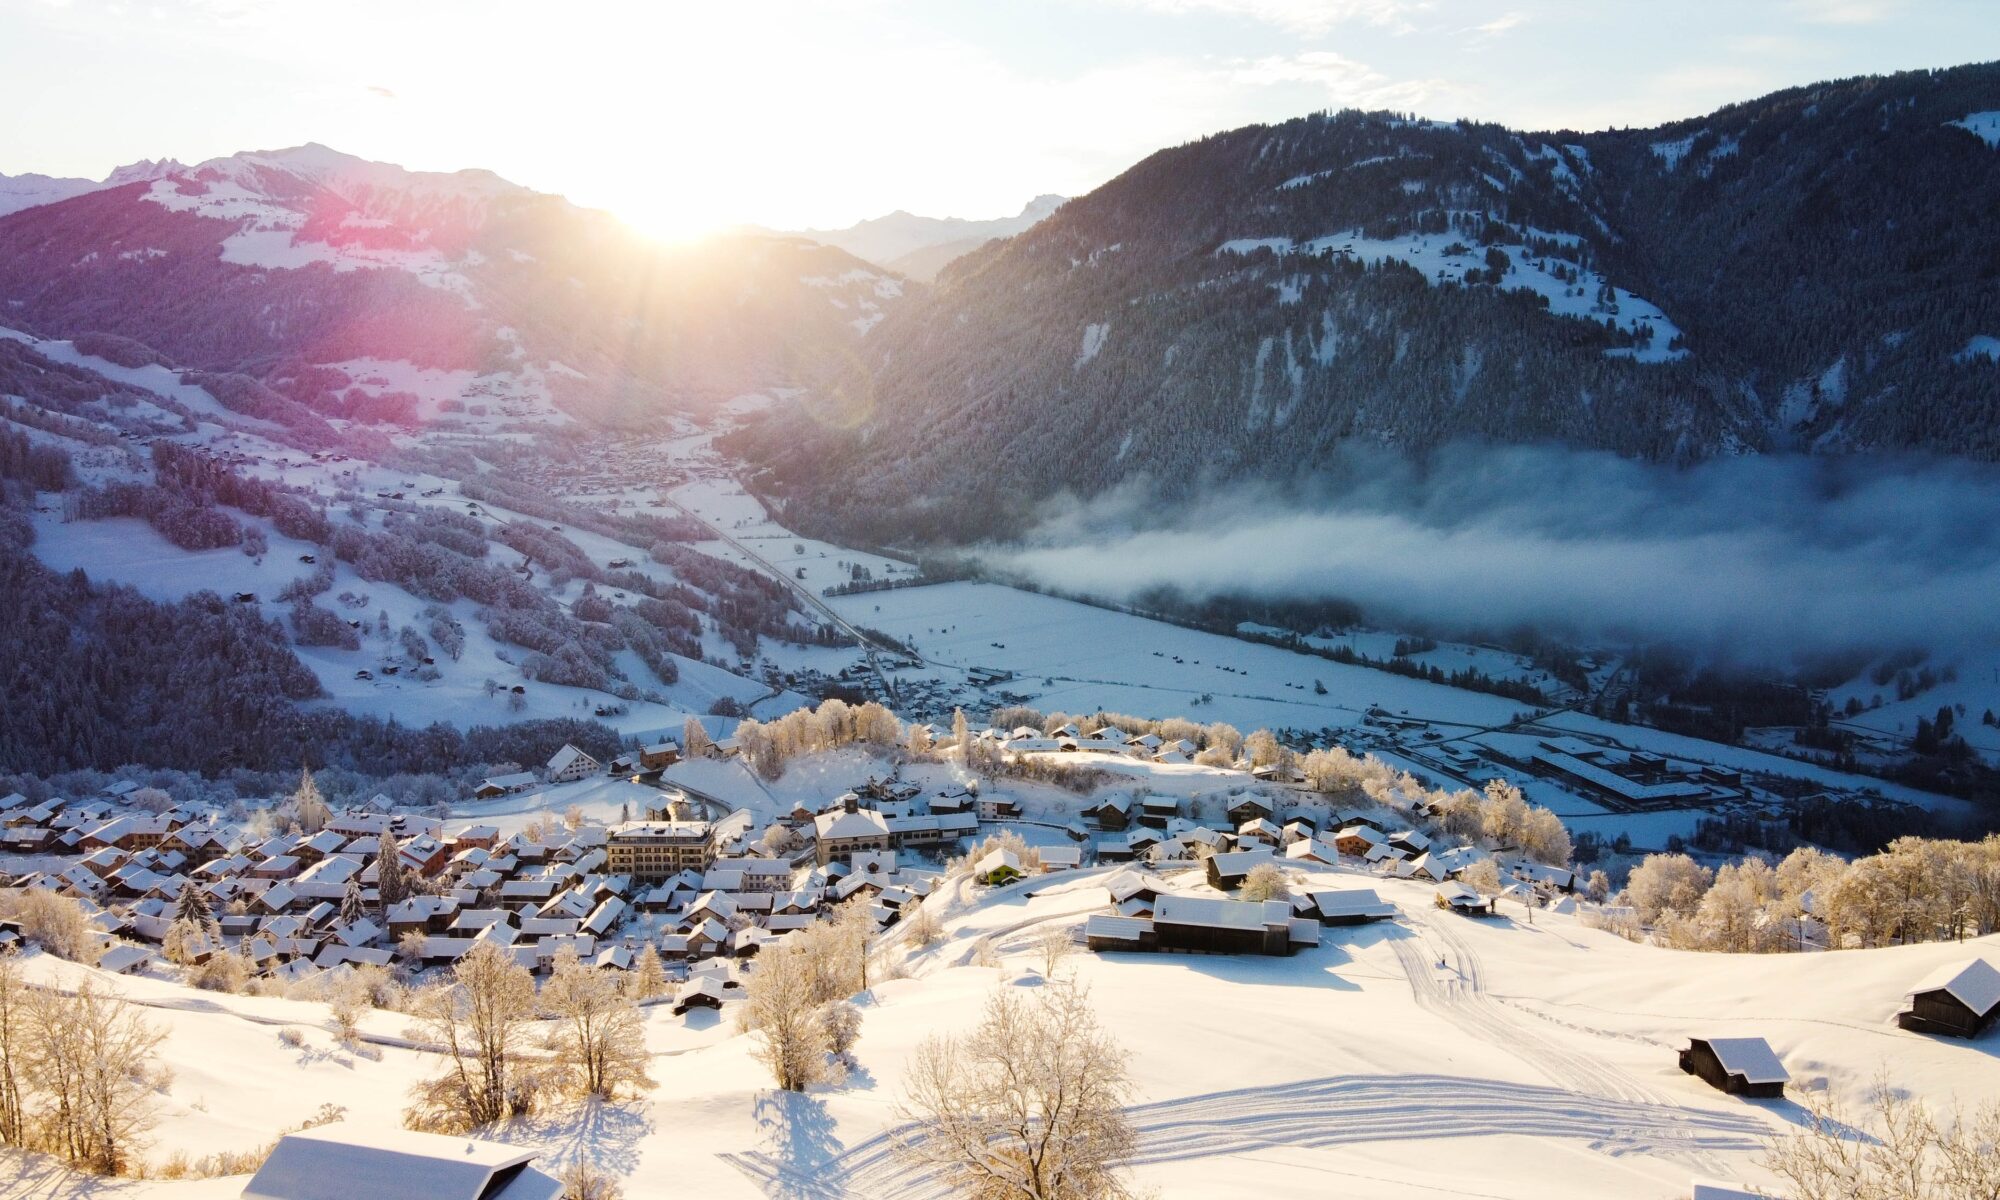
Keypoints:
(311, 257)
(1431, 1054)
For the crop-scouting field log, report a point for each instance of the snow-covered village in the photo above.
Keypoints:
(561, 641)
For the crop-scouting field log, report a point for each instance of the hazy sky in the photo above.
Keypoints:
(682, 116)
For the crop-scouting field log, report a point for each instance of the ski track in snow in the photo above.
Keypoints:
(1321, 1113)
(1458, 994)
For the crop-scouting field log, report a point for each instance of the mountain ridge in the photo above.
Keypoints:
(1757, 279)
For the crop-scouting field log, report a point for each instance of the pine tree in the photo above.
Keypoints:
(192, 907)
(351, 911)
(391, 883)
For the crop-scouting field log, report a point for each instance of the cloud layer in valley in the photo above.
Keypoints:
(1754, 559)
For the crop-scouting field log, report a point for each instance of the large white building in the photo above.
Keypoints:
(571, 764)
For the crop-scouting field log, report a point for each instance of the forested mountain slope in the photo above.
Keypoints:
(1815, 270)
(265, 263)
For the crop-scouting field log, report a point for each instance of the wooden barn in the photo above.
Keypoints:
(1740, 1066)
(1226, 872)
(1463, 900)
(1959, 1000)
(1222, 926)
(1355, 906)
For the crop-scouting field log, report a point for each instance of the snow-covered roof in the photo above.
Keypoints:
(338, 1161)
(1359, 902)
(1750, 1057)
(1975, 984)
(1220, 914)
(563, 758)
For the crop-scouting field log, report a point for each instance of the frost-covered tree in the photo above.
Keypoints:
(477, 1020)
(1052, 945)
(308, 807)
(90, 1060)
(781, 1011)
(1899, 1151)
(1667, 883)
(648, 980)
(1029, 1106)
(392, 881)
(596, 1035)
(695, 741)
(351, 908)
(1264, 882)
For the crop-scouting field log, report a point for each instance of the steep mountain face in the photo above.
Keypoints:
(263, 263)
(918, 247)
(1815, 270)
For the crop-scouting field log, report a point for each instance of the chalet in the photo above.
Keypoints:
(659, 755)
(502, 785)
(337, 1161)
(1355, 906)
(477, 837)
(1158, 810)
(570, 764)
(1744, 1066)
(1226, 872)
(1060, 858)
(1250, 806)
(1356, 840)
(849, 829)
(1112, 812)
(1463, 900)
(998, 808)
(1959, 1000)
(1258, 829)
(998, 867)
(1311, 850)
(703, 991)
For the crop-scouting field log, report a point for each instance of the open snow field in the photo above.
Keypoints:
(1079, 658)
(1434, 1056)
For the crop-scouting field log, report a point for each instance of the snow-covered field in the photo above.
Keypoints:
(1433, 1056)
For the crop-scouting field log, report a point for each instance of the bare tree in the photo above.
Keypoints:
(1052, 945)
(89, 1056)
(14, 1040)
(581, 1180)
(598, 1037)
(1908, 1154)
(842, 1022)
(1029, 1106)
(924, 928)
(476, 1020)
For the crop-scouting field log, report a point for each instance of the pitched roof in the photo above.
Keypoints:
(1219, 914)
(1750, 1057)
(1973, 983)
(334, 1162)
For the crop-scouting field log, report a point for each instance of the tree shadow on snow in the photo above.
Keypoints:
(604, 1135)
(798, 1140)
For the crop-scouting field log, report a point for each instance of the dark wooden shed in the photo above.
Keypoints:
(1739, 1066)
(1959, 1000)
